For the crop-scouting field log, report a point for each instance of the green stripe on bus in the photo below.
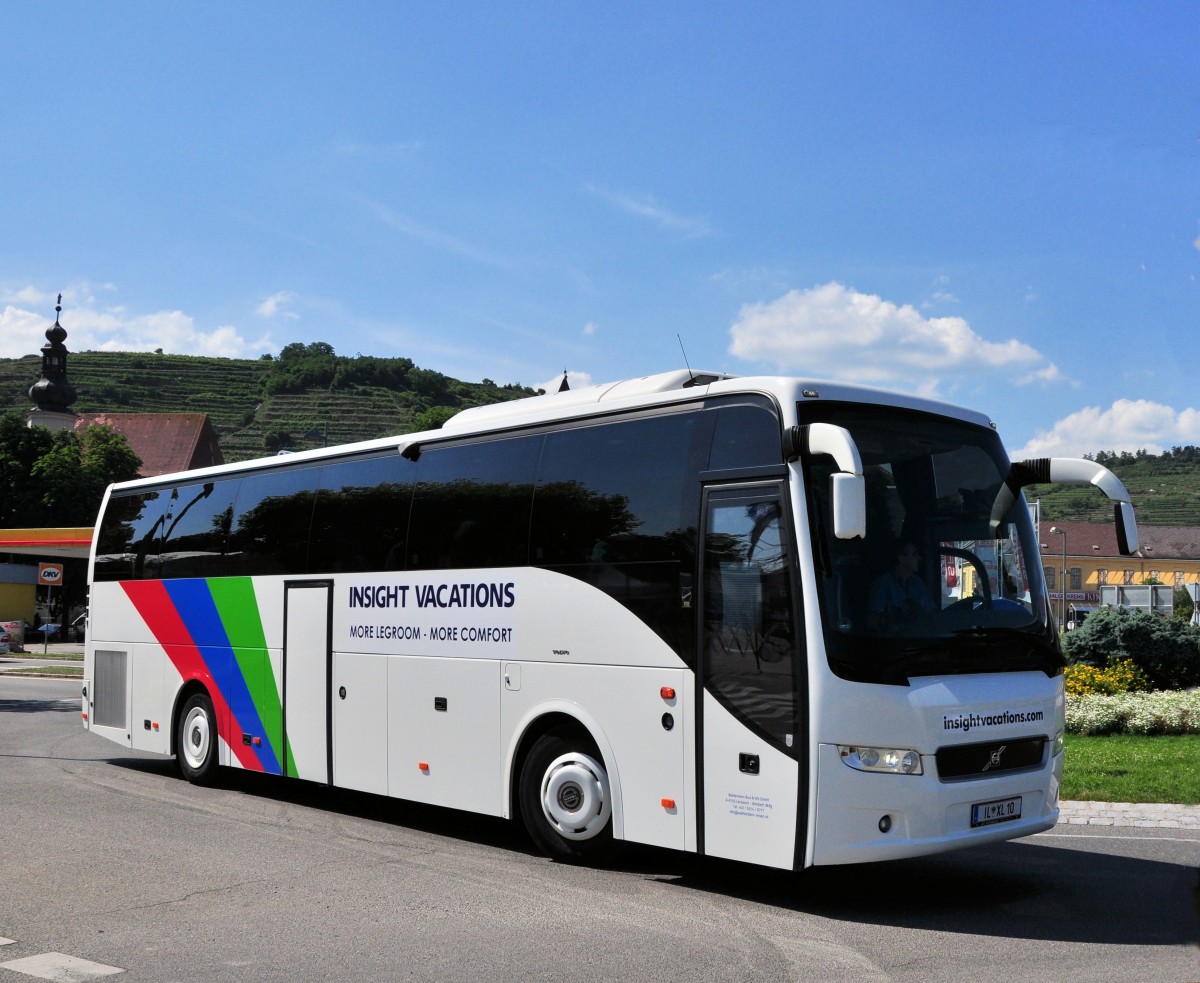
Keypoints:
(237, 605)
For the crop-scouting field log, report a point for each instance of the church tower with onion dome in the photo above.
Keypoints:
(52, 394)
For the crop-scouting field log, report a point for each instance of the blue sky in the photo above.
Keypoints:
(996, 204)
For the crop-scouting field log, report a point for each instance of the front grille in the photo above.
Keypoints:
(992, 758)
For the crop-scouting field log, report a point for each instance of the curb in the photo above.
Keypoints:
(1141, 814)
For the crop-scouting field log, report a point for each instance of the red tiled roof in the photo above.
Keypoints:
(1100, 539)
(166, 442)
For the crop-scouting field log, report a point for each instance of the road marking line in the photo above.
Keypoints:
(1103, 836)
(4, 941)
(60, 968)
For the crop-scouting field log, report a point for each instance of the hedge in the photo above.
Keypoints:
(1166, 651)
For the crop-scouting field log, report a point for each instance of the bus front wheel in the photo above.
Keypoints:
(196, 742)
(566, 801)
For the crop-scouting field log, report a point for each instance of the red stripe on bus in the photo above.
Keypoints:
(158, 611)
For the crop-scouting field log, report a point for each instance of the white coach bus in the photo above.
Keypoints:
(763, 619)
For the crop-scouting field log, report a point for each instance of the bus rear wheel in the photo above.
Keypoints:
(196, 742)
(566, 800)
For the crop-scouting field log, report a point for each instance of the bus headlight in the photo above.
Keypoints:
(888, 760)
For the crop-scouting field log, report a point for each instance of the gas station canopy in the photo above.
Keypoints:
(68, 543)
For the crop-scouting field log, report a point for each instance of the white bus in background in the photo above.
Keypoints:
(637, 612)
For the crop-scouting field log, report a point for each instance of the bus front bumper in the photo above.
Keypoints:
(863, 816)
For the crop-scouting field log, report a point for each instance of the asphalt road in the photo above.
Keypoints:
(109, 859)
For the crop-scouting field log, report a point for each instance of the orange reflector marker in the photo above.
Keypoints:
(154, 725)
(423, 765)
(667, 692)
(84, 716)
(668, 803)
(258, 742)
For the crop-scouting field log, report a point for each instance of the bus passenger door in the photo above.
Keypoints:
(306, 698)
(752, 670)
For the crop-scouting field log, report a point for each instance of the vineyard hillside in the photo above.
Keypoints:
(309, 396)
(305, 398)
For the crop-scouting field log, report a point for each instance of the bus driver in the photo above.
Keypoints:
(898, 596)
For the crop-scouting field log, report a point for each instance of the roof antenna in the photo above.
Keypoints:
(564, 386)
(691, 377)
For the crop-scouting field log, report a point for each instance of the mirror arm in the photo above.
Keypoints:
(847, 487)
(1053, 470)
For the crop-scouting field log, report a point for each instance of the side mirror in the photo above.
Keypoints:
(848, 493)
(1127, 534)
(847, 487)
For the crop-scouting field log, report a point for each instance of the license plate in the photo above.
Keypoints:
(999, 811)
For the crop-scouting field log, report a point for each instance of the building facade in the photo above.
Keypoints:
(1079, 558)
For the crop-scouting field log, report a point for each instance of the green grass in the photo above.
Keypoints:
(1121, 768)
(56, 656)
(67, 672)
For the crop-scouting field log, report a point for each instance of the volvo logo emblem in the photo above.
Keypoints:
(570, 797)
(994, 760)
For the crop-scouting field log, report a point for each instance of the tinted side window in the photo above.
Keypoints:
(746, 436)
(127, 543)
(471, 506)
(617, 506)
(271, 526)
(361, 518)
(196, 529)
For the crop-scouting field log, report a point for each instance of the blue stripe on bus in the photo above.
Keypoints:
(194, 602)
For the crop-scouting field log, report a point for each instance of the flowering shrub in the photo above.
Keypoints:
(1167, 651)
(1162, 712)
(1119, 676)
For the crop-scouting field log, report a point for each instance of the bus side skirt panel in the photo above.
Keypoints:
(645, 760)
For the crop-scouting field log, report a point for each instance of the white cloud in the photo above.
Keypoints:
(93, 328)
(30, 295)
(648, 207)
(1127, 425)
(409, 227)
(276, 304)
(21, 332)
(834, 331)
(1047, 374)
(941, 293)
(939, 297)
(589, 329)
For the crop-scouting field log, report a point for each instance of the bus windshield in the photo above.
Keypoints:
(935, 587)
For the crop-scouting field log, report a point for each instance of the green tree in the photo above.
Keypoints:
(72, 475)
(301, 367)
(277, 440)
(1167, 651)
(20, 449)
(58, 478)
(433, 418)
(1182, 607)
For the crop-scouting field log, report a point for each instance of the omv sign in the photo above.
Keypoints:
(50, 574)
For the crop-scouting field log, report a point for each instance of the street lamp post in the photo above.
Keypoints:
(1063, 533)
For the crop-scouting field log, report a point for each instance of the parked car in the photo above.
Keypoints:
(16, 634)
(3, 642)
